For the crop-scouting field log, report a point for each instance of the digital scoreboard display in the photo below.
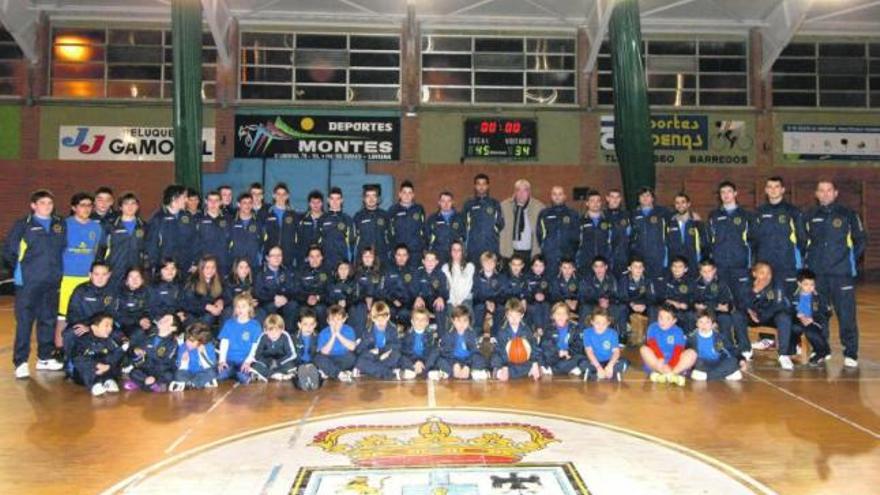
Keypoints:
(515, 139)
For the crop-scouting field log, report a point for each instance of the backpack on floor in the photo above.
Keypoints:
(307, 377)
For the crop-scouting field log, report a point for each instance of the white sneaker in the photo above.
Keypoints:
(98, 390)
(546, 370)
(586, 374)
(111, 386)
(286, 376)
(211, 384)
(277, 377)
(176, 386)
(575, 372)
(785, 363)
(480, 375)
(127, 369)
(355, 373)
(49, 365)
(699, 376)
(396, 372)
(22, 371)
(733, 377)
(436, 375)
(344, 376)
(850, 362)
(409, 375)
(748, 355)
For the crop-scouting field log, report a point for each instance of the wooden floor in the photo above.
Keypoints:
(803, 432)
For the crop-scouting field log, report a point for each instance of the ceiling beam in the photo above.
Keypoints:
(780, 26)
(220, 20)
(662, 8)
(840, 12)
(596, 27)
(22, 22)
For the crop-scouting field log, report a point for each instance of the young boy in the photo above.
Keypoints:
(156, 361)
(538, 292)
(400, 289)
(488, 293)
(97, 358)
(196, 360)
(419, 353)
(710, 293)
(433, 289)
(336, 346)
(379, 350)
(715, 358)
(676, 290)
(664, 353)
(305, 342)
(459, 356)
(275, 356)
(601, 346)
(811, 314)
(565, 287)
(637, 296)
(516, 352)
(599, 290)
(561, 346)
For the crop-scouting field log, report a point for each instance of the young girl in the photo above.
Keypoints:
(344, 292)
(459, 356)
(156, 361)
(379, 349)
(203, 296)
(164, 296)
(715, 359)
(369, 280)
(196, 360)
(538, 296)
(664, 353)
(460, 277)
(516, 353)
(238, 341)
(132, 316)
(562, 346)
(602, 348)
(97, 358)
(240, 281)
(275, 356)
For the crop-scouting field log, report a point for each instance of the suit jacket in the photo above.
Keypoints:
(532, 210)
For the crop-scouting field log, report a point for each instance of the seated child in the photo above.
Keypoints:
(336, 346)
(516, 352)
(676, 290)
(488, 290)
(418, 352)
(538, 308)
(602, 348)
(196, 360)
(599, 290)
(97, 358)
(716, 359)
(637, 296)
(459, 356)
(156, 360)
(561, 345)
(132, 320)
(379, 350)
(305, 342)
(433, 289)
(565, 287)
(343, 290)
(664, 353)
(811, 313)
(710, 293)
(238, 341)
(275, 355)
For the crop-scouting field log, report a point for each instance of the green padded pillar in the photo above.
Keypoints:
(186, 37)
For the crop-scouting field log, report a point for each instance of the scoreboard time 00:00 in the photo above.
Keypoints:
(501, 138)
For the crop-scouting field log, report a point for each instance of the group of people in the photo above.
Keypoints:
(217, 287)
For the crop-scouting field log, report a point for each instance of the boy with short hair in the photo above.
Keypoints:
(97, 358)
(516, 353)
(196, 360)
(418, 350)
(565, 287)
(488, 293)
(637, 296)
(156, 361)
(710, 293)
(665, 356)
(275, 355)
(561, 345)
(601, 346)
(459, 356)
(379, 349)
(305, 342)
(716, 359)
(400, 287)
(336, 346)
(599, 290)
(433, 289)
(811, 313)
(676, 290)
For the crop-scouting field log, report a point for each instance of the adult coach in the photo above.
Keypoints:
(483, 220)
(835, 241)
(519, 235)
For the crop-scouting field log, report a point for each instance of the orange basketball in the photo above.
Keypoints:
(518, 350)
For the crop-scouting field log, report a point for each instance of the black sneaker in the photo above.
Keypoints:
(817, 360)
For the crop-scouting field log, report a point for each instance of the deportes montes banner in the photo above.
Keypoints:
(323, 137)
(105, 143)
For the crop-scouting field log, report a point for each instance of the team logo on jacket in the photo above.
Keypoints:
(435, 284)
(223, 224)
(139, 233)
(653, 219)
(56, 228)
(771, 296)
(252, 228)
(692, 231)
(837, 223)
(454, 225)
(572, 287)
(713, 288)
(606, 345)
(737, 220)
(543, 285)
(670, 339)
(683, 289)
(184, 219)
(624, 222)
(407, 278)
(415, 216)
(288, 220)
(490, 210)
(375, 279)
(380, 222)
(604, 225)
(160, 351)
(566, 220)
(322, 277)
(783, 219)
(92, 236)
(108, 300)
(340, 226)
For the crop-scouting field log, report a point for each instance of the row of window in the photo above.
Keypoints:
(459, 69)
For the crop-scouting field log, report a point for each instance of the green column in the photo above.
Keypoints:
(186, 37)
(632, 125)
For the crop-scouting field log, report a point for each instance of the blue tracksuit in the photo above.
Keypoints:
(461, 349)
(501, 356)
(34, 248)
(817, 307)
(269, 283)
(126, 248)
(280, 229)
(131, 307)
(275, 356)
(442, 230)
(194, 305)
(537, 312)
(164, 298)
(308, 282)
(87, 301)
(489, 288)
(306, 347)
(556, 340)
(562, 290)
(591, 290)
(172, 236)
(399, 290)
(337, 237)
(648, 239)
(430, 287)
(778, 239)
(376, 342)
(419, 347)
(715, 357)
(595, 240)
(732, 323)
(620, 234)
(246, 242)
(201, 367)
(558, 234)
(372, 229)
(408, 227)
(483, 223)
(340, 358)
(212, 238)
(835, 240)
(159, 361)
(772, 307)
(89, 350)
(687, 238)
(308, 233)
(729, 240)
(679, 290)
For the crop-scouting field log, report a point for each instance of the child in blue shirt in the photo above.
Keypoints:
(305, 342)
(196, 360)
(716, 359)
(238, 341)
(516, 353)
(664, 354)
(561, 345)
(379, 349)
(336, 345)
(602, 348)
(459, 356)
(275, 354)
(811, 313)
(418, 352)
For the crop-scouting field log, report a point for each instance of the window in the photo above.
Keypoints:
(121, 63)
(498, 70)
(320, 67)
(839, 74)
(686, 72)
(11, 65)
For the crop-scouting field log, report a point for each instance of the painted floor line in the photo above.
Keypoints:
(199, 421)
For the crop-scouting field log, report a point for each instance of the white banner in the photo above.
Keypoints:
(102, 143)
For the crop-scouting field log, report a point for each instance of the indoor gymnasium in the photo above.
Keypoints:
(440, 247)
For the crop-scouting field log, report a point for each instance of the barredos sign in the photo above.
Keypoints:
(325, 137)
(116, 143)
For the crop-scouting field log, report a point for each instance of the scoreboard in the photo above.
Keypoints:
(515, 139)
